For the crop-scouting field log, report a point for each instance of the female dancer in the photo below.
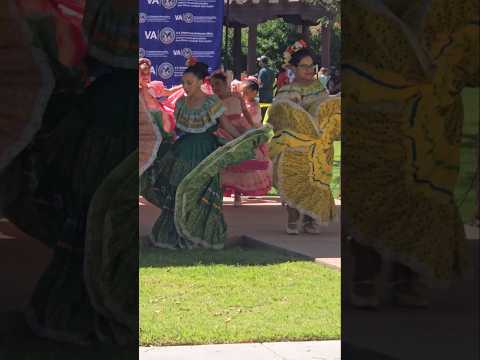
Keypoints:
(149, 136)
(80, 142)
(152, 92)
(250, 177)
(145, 80)
(306, 122)
(185, 181)
(403, 149)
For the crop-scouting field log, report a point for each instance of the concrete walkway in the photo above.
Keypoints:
(447, 329)
(308, 350)
(263, 220)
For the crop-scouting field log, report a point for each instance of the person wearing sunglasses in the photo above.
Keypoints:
(306, 121)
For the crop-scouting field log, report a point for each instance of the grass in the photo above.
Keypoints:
(336, 179)
(465, 193)
(235, 296)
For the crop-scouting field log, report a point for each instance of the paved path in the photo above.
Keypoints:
(447, 330)
(308, 350)
(265, 221)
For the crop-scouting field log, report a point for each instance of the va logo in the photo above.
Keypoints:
(141, 52)
(187, 52)
(142, 18)
(169, 4)
(151, 35)
(188, 18)
(153, 2)
(167, 35)
(165, 70)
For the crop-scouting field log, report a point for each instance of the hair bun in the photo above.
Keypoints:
(199, 69)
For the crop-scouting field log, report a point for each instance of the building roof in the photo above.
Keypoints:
(250, 12)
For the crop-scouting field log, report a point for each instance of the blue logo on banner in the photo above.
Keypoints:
(186, 53)
(169, 4)
(165, 71)
(167, 35)
(141, 52)
(188, 18)
(188, 27)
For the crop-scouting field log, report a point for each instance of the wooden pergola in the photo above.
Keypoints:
(249, 13)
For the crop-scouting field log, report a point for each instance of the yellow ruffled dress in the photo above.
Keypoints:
(403, 130)
(306, 122)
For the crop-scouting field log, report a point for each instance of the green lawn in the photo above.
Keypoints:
(466, 192)
(336, 179)
(235, 296)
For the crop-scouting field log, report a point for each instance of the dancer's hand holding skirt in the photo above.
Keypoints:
(200, 224)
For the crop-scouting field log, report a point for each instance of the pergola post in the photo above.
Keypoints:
(306, 33)
(326, 35)
(252, 49)
(237, 50)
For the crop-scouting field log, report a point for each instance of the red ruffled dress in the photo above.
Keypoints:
(250, 177)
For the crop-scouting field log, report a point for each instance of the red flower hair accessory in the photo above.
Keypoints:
(191, 61)
(251, 78)
(298, 45)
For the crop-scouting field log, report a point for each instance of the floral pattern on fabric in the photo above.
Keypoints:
(201, 119)
(306, 123)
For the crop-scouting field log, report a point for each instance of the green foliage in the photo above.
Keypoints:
(273, 38)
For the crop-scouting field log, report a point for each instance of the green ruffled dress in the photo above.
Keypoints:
(84, 153)
(173, 164)
(184, 181)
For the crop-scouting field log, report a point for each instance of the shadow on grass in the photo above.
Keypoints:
(235, 256)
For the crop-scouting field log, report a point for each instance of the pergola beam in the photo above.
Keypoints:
(250, 13)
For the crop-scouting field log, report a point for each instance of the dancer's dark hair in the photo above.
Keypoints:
(220, 76)
(301, 54)
(200, 70)
(251, 85)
